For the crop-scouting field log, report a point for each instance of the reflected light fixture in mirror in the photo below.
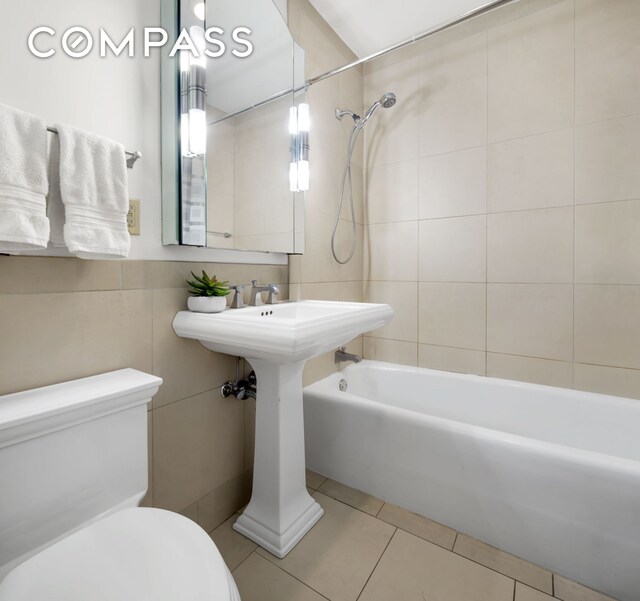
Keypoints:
(299, 125)
(197, 93)
(193, 116)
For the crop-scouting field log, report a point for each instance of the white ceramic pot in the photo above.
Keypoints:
(207, 304)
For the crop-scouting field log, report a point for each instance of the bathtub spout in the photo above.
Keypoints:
(342, 355)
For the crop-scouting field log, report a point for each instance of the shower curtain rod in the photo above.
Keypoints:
(476, 12)
(132, 157)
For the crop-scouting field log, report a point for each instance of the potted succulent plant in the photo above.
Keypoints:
(208, 294)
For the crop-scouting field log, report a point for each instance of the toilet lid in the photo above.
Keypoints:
(133, 555)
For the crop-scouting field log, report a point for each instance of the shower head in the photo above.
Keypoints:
(388, 100)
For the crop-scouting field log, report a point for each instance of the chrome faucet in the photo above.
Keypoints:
(342, 355)
(237, 302)
(272, 289)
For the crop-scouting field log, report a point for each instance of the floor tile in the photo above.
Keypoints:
(233, 547)
(567, 590)
(526, 593)
(413, 569)
(415, 524)
(504, 563)
(314, 480)
(351, 496)
(260, 580)
(339, 553)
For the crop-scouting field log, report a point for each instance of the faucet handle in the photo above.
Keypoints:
(237, 302)
(256, 292)
(273, 293)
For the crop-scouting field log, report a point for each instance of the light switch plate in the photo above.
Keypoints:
(133, 217)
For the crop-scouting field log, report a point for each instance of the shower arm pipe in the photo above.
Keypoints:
(487, 8)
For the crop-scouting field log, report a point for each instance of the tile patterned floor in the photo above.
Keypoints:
(364, 549)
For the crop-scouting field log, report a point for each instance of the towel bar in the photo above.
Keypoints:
(132, 157)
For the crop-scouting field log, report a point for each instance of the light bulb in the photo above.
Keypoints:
(197, 131)
(303, 117)
(303, 176)
(293, 177)
(293, 120)
(200, 10)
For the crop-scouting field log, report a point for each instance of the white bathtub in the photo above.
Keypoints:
(549, 475)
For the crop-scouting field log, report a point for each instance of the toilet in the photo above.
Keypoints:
(73, 469)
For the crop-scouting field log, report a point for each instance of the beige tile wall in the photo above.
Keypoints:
(316, 274)
(263, 206)
(220, 179)
(67, 318)
(503, 197)
(248, 180)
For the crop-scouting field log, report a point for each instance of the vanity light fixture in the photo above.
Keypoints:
(193, 71)
(299, 124)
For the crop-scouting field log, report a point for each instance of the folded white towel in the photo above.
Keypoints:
(23, 181)
(93, 185)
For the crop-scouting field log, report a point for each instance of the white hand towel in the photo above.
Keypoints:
(93, 186)
(23, 181)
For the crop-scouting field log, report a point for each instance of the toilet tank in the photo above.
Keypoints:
(70, 454)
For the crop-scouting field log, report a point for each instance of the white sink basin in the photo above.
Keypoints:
(286, 332)
(277, 340)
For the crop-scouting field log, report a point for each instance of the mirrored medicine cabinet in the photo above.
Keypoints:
(226, 141)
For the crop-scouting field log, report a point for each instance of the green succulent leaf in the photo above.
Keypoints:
(207, 286)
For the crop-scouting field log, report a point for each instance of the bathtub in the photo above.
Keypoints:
(547, 474)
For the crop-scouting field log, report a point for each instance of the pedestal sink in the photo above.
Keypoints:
(277, 340)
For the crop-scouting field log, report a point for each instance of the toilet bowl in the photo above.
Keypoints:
(133, 555)
(73, 463)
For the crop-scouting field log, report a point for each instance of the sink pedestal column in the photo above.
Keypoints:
(281, 511)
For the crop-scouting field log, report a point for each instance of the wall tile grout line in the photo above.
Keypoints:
(486, 226)
(573, 289)
(510, 139)
(191, 396)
